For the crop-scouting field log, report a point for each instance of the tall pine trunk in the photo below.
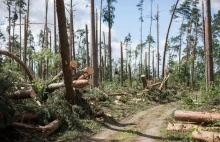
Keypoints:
(158, 55)
(64, 50)
(194, 52)
(71, 28)
(209, 53)
(55, 31)
(94, 47)
(121, 80)
(166, 42)
(109, 42)
(100, 45)
(87, 46)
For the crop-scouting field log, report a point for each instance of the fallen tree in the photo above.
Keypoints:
(206, 136)
(27, 71)
(86, 72)
(23, 94)
(75, 83)
(199, 117)
(45, 130)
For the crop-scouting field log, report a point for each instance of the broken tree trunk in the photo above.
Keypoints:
(191, 116)
(6, 53)
(75, 83)
(153, 85)
(87, 70)
(45, 130)
(23, 94)
(144, 81)
(206, 136)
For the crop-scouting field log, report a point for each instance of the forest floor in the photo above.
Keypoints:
(142, 126)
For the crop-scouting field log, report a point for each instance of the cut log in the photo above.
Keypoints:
(206, 136)
(120, 98)
(73, 64)
(180, 127)
(191, 116)
(84, 76)
(144, 81)
(56, 77)
(75, 83)
(45, 130)
(23, 94)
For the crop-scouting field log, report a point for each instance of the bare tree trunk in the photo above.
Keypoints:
(146, 65)
(55, 31)
(165, 47)
(194, 51)
(109, 43)
(97, 44)
(25, 41)
(105, 59)
(94, 47)
(64, 50)
(46, 28)
(188, 42)
(71, 28)
(158, 54)
(121, 65)
(209, 44)
(204, 44)
(149, 44)
(100, 44)
(129, 75)
(180, 46)
(153, 71)
(20, 27)
(87, 46)
(9, 30)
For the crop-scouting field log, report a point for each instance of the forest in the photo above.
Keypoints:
(65, 84)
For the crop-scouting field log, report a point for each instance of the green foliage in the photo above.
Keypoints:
(212, 96)
(6, 111)
(187, 101)
(105, 13)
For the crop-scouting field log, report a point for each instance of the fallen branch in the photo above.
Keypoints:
(153, 85)
(200, 117)
(45, 130)
(117, 94)
(206, 136)
(25, 116)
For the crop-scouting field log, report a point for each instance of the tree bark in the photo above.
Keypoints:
(55, 30)
(144, 81)
(87, 46)
(204, 44)
(94, 47)
(70, 94)
(194, 51)
(97, 45)
(25, 41)
(165, 47)
(121, 65)
(100, 43)
(109, 42)
(200, 117)
(71, 28)
(22, 94)
(158, 54)
(75, 83)
(20, 28)
(209, 44)
(206, 136)
(129, 75)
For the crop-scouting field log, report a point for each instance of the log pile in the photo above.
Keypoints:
(79, 80)
(198, 121)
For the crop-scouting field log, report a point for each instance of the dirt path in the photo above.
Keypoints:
(144, 126)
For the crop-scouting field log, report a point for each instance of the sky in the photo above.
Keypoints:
(126, 20)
